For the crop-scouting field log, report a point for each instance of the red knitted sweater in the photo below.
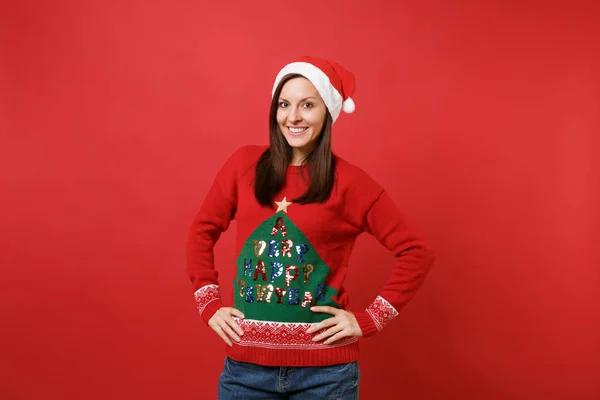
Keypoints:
(294, 256)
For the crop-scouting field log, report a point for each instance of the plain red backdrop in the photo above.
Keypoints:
(480, 118)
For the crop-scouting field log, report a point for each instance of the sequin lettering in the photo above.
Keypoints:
(273, 248)
(301, 249)
(306, 270)
(250, 294)
(260, 269)
(247, 267)
(320, 292)
(242, 286)
(307, 300)
(279, 292)
(259, 247)
(286, 247)
(272, 275)
(269, 293)
(279, 225)
(293, 297)
(288, 276)
(276, 270)
(261, 292)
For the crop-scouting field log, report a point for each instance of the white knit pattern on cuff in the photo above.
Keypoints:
(205, 295)
(382, 312)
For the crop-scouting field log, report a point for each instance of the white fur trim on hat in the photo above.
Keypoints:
(332, 98)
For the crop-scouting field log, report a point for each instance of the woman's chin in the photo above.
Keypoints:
(297, 143)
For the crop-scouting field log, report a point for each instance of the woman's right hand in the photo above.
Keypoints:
(225, 326)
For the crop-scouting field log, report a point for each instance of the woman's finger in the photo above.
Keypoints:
(229, 331)
(322, 325)
(236, 313)
(325, 309)
(334, 329)
(336, 337)
(223, 335)
(235, 326)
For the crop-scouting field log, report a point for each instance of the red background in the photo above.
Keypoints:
(480, 118)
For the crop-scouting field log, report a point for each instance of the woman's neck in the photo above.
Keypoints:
(298, 157)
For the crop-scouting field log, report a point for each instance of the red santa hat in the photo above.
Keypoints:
(334, 83)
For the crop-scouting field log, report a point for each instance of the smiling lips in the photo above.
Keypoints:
(297, 131)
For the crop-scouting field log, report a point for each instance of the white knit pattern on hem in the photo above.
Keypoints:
(284, 335)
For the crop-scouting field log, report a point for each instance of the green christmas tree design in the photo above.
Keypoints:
(280, 275)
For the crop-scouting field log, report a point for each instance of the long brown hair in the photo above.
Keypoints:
(273, 163)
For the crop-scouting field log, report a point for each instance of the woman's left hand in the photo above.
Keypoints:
(342, 324)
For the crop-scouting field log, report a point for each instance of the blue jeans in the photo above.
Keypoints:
(250, 381)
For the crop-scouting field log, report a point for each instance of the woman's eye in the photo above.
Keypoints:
(283, 104)
(308, 105)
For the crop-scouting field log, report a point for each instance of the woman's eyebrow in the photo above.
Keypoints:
(306, 98)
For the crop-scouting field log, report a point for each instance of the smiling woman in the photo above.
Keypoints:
(290, 311)
(301, 114)
(300, 134)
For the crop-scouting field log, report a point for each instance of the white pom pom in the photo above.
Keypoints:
(348, 106)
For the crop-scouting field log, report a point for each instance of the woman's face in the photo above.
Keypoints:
(301, 115)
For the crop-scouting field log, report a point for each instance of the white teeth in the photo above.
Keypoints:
(297, 130)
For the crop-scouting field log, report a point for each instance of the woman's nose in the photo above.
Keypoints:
(294, 115)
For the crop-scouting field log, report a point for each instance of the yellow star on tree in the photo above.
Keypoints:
(282, 205)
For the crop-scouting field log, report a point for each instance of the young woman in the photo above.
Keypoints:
(299, 209)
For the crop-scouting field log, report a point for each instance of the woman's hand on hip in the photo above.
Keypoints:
(342, 324)
(223, 323)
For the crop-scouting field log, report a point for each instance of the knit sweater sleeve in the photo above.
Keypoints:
(413, 259)
(213, 218)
